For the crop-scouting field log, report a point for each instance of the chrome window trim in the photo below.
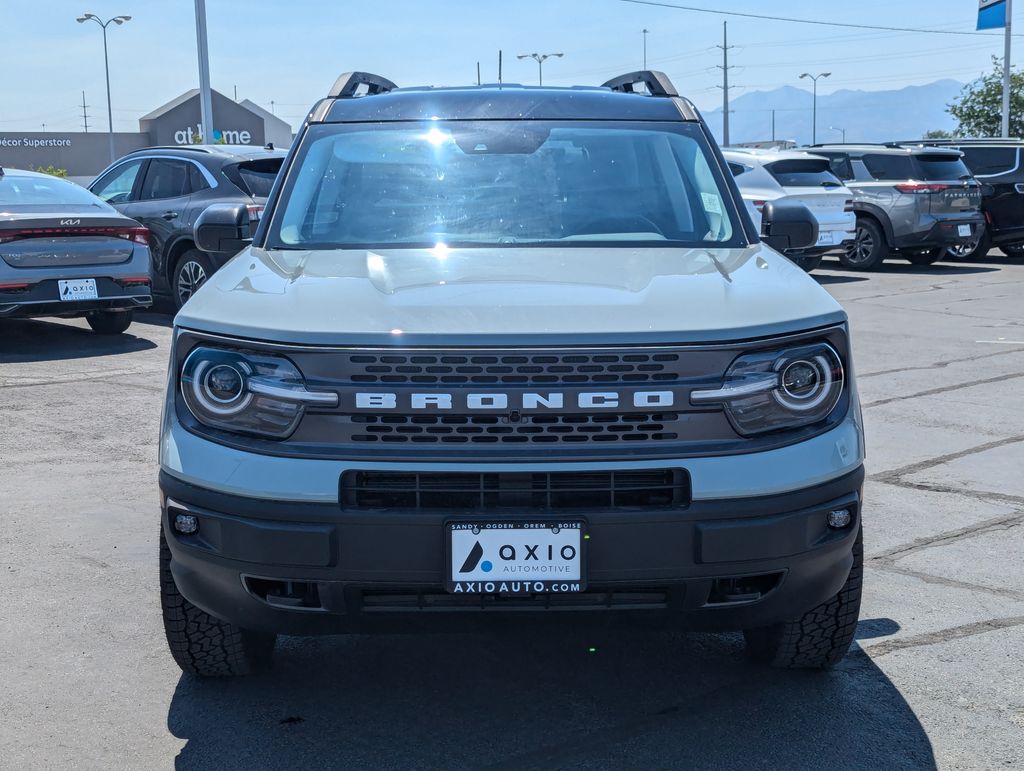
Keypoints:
(207, 175)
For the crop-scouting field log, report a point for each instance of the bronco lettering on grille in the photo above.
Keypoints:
(504, 401)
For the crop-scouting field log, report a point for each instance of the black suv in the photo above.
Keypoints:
(997, 164)
(166, 188)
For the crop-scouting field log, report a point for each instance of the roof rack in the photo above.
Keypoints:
(348, 83)
(657, 83)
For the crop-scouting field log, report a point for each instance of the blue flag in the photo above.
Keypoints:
(991, 14)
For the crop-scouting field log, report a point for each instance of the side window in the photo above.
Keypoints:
(885, 167)
(840, 166)
(165, 179)
(736, 169)
(196, 180)
(990, 161)
(116, 185)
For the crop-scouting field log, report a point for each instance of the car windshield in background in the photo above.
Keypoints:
(803, 172)
(497, 183)
(941, 167)
(257, 177)
(30, 193)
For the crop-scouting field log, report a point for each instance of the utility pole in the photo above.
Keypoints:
(773, 125)
(205, 95)
(645, 48)
(236, 93)
(724, 67)
(85, 115)
(1006, 70)
(478, 73)
(272, 111)
(499, 66)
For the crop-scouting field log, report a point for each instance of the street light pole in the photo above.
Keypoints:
(814, 109)
(205, 95)
(841, 130)
(645, 48)
(118, 20)
(539, 58)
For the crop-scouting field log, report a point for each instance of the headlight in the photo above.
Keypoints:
(773, 390)
(247, 393)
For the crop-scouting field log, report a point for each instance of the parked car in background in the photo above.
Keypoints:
(914, 202)
(997, 164)
(797, 177)
(64, 252)
(166, 188)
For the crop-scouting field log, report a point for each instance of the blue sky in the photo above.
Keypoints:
(290, 52)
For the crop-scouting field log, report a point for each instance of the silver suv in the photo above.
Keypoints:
(479, 368)
(914, 202)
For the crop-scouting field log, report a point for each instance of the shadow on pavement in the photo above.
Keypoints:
(542, 700)
(828, 278)
(31, 340)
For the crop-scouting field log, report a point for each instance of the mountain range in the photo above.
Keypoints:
(867, 116)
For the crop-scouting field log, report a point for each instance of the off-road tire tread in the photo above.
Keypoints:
(204, 645)
(821, 637)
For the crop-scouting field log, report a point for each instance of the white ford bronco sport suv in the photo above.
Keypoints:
(502, 354)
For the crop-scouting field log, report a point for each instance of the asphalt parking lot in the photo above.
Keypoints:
(934, 680)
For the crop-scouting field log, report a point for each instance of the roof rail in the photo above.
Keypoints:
(657, 83)
(348, 83)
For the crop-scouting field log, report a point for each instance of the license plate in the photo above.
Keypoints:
(826, 238)
(964, 231)
(515, 557)
(78, 289)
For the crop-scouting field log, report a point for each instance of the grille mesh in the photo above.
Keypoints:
(519, 369)
(538, 491)
(535, 429)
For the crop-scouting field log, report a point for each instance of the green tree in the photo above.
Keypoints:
(979, 108)
(52, 171)
(938, 134)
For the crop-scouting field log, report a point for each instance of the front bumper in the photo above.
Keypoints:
(43, 299)
(384, 571)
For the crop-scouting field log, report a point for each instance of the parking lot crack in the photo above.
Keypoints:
(895, 476)
(945, 389)
(928, 578)
(943, 635)
(939, 364)
(951, 536)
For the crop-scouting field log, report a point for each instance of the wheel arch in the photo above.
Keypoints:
(876, 213)
(178, 248)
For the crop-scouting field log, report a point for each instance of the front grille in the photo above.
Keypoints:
(536, 491)
(535, 429)
(549, 368)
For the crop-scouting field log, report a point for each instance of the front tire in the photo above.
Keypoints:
(109, 322)
(191, 272)
(820, 637)
(201, 644)
(925, 257)
(868, 247)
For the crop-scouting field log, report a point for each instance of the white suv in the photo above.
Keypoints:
(799, 177)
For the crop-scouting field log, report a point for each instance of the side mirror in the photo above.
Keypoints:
(223, 227)
(786, 226)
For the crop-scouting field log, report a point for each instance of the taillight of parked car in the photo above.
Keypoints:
(921, 188)
(759, 205)
(255, 212)
(138, 235)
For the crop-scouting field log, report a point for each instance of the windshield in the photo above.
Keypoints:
(30, 193)
(497, 183)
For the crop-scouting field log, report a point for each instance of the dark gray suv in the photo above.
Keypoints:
(166, 188)
(914, 202)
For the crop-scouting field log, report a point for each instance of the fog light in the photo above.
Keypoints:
(186, 524)
(840, 518)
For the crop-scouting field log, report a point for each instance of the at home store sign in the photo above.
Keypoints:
(191, 136)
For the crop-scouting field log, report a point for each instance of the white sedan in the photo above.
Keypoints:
(798, 177)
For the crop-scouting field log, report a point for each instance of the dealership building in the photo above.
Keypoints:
(85, 154)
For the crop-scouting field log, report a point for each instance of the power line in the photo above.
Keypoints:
(765, 17)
